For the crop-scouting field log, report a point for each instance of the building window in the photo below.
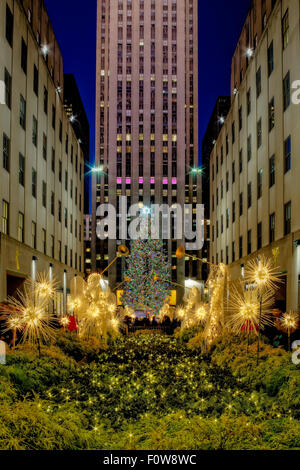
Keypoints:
(53, 117)
(66, 218)
(286, 91)
(241, 161)
(272, 171)
(249, 148)
(66, 254)
(21, 227)
(240, 118)
(8, 82)
(258, 82)
(233, 132)
(21, 169)
(272, 227)
(249, 244)
(5, 217)
(52, 203)
(241, 204)
(60, 131)
(59, 211)
(227, 218)
(285, 29)
(9, 31)
(45, 100)
(259, 235)
(60, 171)
(259, 134)
(52, 246)
(53, 160)
(66, 180)
(271, 114)
(287, 154)
(287, 217)
(44, 194)
(249, 101)
(22, 112)
(44, 241)
(233, 252)
(249, 195)
(35, 80)
(270, 58)
(233, 172)
(33, 235)
(34, 131)
(128, 165)
(259, 183)
(240, 247)
(34, 182)
(24, 56)
(233, 212)
(6, 152)
(44, 147)
(59, 251)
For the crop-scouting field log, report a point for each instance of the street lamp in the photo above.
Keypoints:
(249, 52)
(197, 171)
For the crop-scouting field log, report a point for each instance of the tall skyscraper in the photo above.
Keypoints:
(146, 115)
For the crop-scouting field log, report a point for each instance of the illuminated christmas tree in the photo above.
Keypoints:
(147, 276)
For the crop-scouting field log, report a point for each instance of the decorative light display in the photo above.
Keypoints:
(94, 308)
(289, 324)
(218, 285)
(45, 287)
(193, 312)
(28, 312)
(148, 272)
(244, 309)
(261, 274)
(166, 312)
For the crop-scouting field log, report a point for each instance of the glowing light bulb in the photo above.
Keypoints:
(45, 49)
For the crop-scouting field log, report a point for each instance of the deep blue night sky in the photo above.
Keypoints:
(74, 23)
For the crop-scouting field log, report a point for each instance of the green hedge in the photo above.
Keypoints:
(149, 392)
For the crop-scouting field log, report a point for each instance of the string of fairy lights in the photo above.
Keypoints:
(142, 375)
(241, 306)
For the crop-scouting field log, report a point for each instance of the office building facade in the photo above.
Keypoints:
(214, 127)
(146, 115)
(42, 163)
(255, 166)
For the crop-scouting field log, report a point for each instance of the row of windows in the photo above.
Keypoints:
(287, 154)
(285, 42)
(5, 219)
(8, 96)
(272, 226)
(271, 122)
(6, 166)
